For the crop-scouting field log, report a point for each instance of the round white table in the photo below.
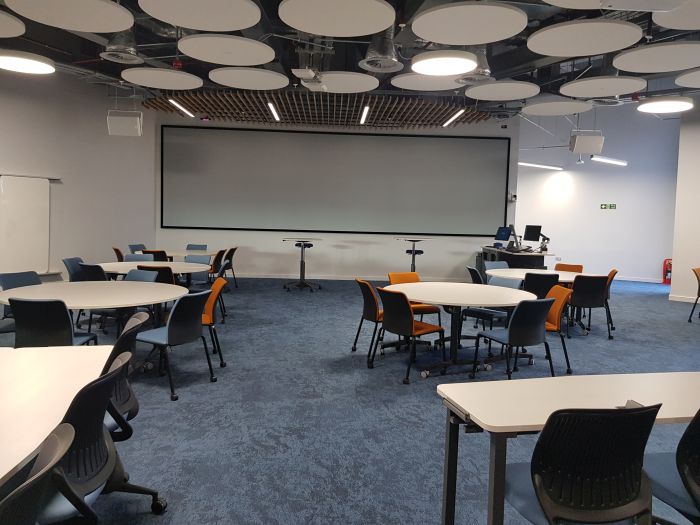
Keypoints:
(123, 268)
(519, 274)
(93, 295)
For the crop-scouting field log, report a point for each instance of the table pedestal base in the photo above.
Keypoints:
(302, 282)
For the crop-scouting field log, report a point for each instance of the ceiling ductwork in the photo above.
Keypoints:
(164, 30)
(482, 73)
(121, 49)
(381, 55)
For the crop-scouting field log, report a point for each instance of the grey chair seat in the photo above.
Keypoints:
(81, 338)
(666, 482)
(58, 508)
(500, 335)
(520, 493)
(156, 336)
(7, 326)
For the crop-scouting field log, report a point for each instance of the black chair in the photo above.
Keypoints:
(8, 281)
(41, 322)
(92, 272)
(158, 255)
(75, 271)
(184, 326)
(482, 314)
(24, 489)
(216, 264)
(229, 257)
(133, 248)
(92, 465)
(540, 283)
(370, 312)
(95, 272)
(163, 274)
(526, 328)
(590, 291)
(586, 468)
(675, 476)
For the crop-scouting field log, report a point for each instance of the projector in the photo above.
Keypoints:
(641, 5)
(125, 123)
(586, 144)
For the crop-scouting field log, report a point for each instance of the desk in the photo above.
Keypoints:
(455, 296)
(519, 274)
(37, 385)
(413, 252)
(489, 406)
(514, 260)
(122, 268)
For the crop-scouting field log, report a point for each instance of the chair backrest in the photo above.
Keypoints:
(398, 316)
(229, 254)
(561, 295)
(75, 272)
(495, 265)
(688, 459)
(195, 247)
(118, 254)
(611, 277)
(135, 257)
(540, 283)
(164, 274)
(504, 282)
(209, 313)
(589, 291)
(198, 259)
(370, 308)
(216, 262)
(185, 321)
(696, 271)
(526, 326)
(8, 281)
(40, 322)
(158, 255)
(566, 267)
(146, 276)
(93, 272)
(26, 488)
(403, 277)
(475, 275)
(587, 464)
(133, 248)
(223, 268)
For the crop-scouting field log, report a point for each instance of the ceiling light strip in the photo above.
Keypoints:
(609, 160)
(365, 112)
(273, 111)
(541, 166)
(453, 118)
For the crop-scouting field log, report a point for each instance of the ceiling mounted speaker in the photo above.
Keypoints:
(381, 55)
(125, 123)
(121, 49)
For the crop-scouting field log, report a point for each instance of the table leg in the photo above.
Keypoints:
(497, 478)
(455, 331)
(449, 484)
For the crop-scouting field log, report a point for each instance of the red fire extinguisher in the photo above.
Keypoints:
(667, 268)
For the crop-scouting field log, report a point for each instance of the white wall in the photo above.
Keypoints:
(686, 245)
(637, 236)
(55, 126)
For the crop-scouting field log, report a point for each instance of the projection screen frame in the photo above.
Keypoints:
(364, 232)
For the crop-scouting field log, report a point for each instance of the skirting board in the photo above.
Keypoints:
(681, 298)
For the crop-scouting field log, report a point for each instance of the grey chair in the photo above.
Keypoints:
(198, 277)
(494, 265)
(505, 283)
(195, 247)
(133, 248)
(41, 322)
(482, 314)
(8, 281)
(26, 487)
(138, 257)
(586, 468)
(145, 276)
(223, 268)
(525, 329)
(184, 326)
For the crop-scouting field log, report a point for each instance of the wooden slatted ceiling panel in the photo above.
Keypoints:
(320, 109)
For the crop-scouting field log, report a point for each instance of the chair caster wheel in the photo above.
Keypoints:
(212, 379)
(370, 365)
(158, 506)
(174, 397)
(425, 374)
(319, 286)
(406, 381)
(610, 337)
(612, 328)
(472, 375)
(353, 349)
(488, 367)
(531, 361)
(443, 371)
(222, 365)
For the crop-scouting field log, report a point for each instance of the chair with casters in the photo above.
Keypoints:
(184, 326)
(195, 247)
(399, 320)
(133, 248)
(590, 291)
(8, 281)
(540, 283)
(92, 465)
(566, 267)
(675, 476)
(29, 484)
(372, 312)
(40, 322)
(525, 329)
(696, 271)
(611, 277)
(138, 257)
(561, 295)
(158, 255)
(418, 308)
(586, 468)
(229, 257)
(482, 314)
(146, 276)
(118, 254)
(209, 317)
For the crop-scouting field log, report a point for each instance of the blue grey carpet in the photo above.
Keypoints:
(298, 430)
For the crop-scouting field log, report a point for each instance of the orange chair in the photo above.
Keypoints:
(611, 276)
(399, 320)
(418, 308)
(561, 295)
(209, 317)
(118, 253)
(696, 271)
(370, 312)
(565, 267)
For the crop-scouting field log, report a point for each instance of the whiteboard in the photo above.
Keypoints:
(24, 224)
(218, 178)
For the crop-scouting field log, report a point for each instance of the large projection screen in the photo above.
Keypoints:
(220, 178)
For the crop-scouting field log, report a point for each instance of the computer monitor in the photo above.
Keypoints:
(503, 233)
(532, 233)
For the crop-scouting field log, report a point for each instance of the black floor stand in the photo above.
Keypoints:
(302, 282)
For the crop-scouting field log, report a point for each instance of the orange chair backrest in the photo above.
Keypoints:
(565, 267)
(118, 253)
(613, 273)
(403, 277)
(210, 306)
(561, 295)
(696, 271)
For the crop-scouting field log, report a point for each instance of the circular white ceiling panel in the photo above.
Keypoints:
(341, 18)
(154, 77)
(659, 58)
(607, 86)
(90, 16)
(348, 82)
(556, 107)
(686, 17)
(691, 79)
(502, 90)
(205, 15)
(416, 82)
(584, 38)
(10, 26)
(575, 4)
(469, 23)
(248, 78)
(228, 50)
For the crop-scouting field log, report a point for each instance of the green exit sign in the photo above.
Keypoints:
(610, 206)
(603, 206)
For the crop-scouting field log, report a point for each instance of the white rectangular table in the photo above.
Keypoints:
(489, 407)
(37, 385)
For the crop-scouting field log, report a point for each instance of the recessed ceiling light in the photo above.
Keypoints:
(444, 63)
(608, 160)
(22, 62)
(363, 118)
(453, 118)
(672, 104)
(181, 107)
(541, 166)
(273, 111)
